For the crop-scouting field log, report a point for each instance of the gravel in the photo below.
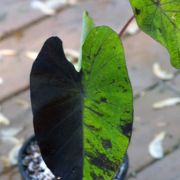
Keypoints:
(34, 165)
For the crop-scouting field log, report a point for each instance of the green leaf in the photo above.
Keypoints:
(161, 20)
(108, 104)
(87, 26)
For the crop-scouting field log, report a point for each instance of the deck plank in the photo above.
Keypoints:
(165, 169)
(149, 122)
(23, 14)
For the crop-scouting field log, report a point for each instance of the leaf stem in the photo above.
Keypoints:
(125, 26)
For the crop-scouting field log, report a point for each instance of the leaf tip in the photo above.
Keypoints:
(85, 13)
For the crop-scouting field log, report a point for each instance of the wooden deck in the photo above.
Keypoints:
(25, 29)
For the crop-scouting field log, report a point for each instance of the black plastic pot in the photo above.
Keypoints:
(120, 175)
(123, 169)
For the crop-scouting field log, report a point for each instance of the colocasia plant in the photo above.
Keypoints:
(83, 115)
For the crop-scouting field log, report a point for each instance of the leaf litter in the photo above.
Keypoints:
(9, 132)
(72, 55)
(12, 158)
(10, 140)
(31, 54)
(155, 147)
(43, 7)
(49, 7)
(7, 52)
(4, 120)
(8, 135)
(161, 73)
(167, 103)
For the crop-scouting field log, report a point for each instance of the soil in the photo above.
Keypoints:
(34, 165)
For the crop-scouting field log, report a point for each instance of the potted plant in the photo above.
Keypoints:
(83, 115)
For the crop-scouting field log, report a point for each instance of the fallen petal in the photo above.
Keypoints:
(155, 147)
(13, 154)
(43, 7)
(31, 55)
(7, 52)
(55, 3)
(72, 55)
(166, 103)
(160, 73)
(10, 140)
(12, 158)
(4, 120)
(9, 132)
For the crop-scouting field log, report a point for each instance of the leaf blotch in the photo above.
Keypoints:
(160, 30)
(94, 111)
(103, 100)
(96, 177)
(106, 143)
(137, 11)
(127, 129)
(102, 162)
(93, 128)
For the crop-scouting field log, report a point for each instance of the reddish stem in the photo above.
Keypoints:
(125, 26)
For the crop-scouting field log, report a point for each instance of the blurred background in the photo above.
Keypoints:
(154, 151)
